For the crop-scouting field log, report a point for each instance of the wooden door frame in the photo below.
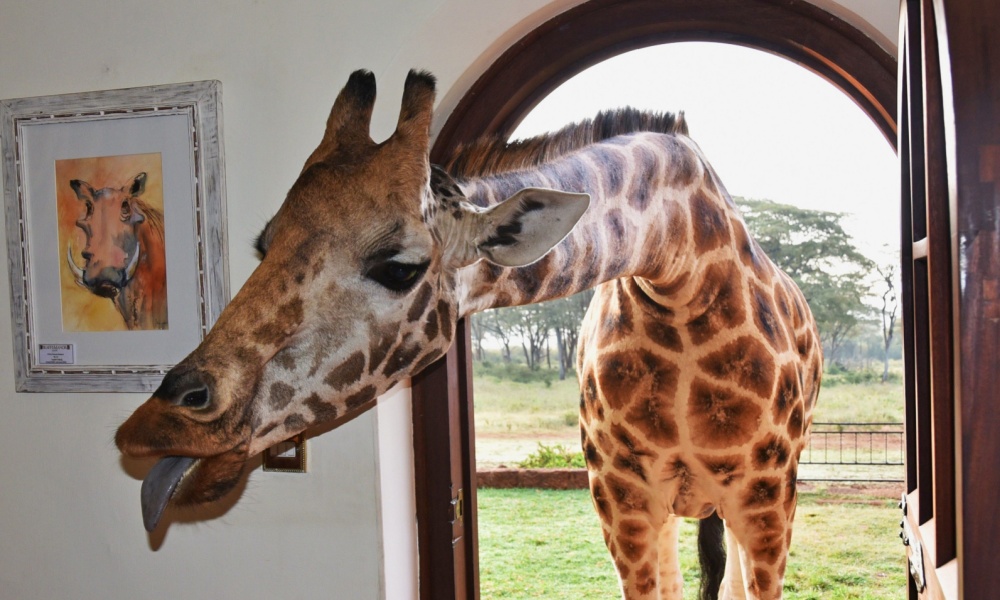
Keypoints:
(950, 142)
(527, 72)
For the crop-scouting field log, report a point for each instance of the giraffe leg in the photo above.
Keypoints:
(732, 584)
(631, 537)
(758, 546)
(671, 582)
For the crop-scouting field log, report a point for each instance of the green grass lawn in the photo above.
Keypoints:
(556, 550)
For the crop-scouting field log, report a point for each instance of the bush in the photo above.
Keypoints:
(552, 457)
(837, 374)
(517, 373)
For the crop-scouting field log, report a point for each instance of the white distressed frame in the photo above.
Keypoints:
(200, 102)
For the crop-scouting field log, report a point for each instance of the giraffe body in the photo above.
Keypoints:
(699, 361)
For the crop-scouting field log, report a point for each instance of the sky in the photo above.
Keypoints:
(771, 129)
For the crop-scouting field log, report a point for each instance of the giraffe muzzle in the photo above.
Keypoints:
(159, 486)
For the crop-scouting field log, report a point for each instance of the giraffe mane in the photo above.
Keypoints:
(492, 155)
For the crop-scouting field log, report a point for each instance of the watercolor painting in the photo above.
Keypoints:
(113, 276)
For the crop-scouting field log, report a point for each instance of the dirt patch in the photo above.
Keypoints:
(853, 493)
(548, 479)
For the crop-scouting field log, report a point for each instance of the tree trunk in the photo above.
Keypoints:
(561, 350)
(528, 355)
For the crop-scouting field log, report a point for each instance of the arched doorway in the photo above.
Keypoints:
(527, 72)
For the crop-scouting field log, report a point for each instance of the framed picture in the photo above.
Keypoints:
(116, 234)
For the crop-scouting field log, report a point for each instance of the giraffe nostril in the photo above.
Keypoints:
(186, 387)
(195, 398)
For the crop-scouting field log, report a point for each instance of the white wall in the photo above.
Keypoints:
(69, 513)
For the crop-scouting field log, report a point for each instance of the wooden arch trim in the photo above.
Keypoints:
(444, 449)
(600, 29)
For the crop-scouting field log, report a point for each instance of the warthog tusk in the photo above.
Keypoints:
(132, 264)
(77, 271)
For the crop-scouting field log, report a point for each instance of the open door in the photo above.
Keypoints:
(445, 470)
(949, 148)
(928, 526)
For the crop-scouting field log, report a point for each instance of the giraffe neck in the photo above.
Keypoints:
(656, 209)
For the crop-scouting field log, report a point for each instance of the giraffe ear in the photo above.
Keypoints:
(524, 227)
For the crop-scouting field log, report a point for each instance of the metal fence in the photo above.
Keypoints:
(854, 452)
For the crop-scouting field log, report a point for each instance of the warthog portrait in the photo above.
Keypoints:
(124, 253)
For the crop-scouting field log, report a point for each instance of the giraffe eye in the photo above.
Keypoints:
(196, 399)
(397, 276)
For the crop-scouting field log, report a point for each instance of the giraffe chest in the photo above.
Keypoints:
(663, 408)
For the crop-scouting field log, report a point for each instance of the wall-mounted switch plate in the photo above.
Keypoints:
(288, 456)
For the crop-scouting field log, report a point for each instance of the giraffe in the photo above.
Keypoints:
(699, 360)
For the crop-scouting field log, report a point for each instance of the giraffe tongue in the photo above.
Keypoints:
(159, 486)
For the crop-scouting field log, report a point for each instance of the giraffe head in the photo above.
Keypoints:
(355, 291)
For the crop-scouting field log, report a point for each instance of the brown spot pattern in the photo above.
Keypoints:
(431, 326)
(767, 536)
(641, 184)
(761, 581)
(720, 418)
(725, 468)
(684, 167)
(402, 357)
(283, 360)
(589, 402)
(795, 422)
(420, 301)
(628, 497)
(745, 362)
(787, 392)
(626, 375)
(324, 411)
(347, 372)
(723, 302)
(765, 319)
(653, 418)
(762, 492)
(592, 456)
(791, 491)
(664, 335)
(771, 452)
(645, 579)
(281, 395)
(630, 463)
(360, 398)
(295, 423)
(617, 320)
(632, 538)
(445, 324)
(598, 493)
(711, 229)
(380, 348)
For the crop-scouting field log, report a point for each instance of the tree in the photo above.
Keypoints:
(495, 323)
(563, 317)
(890, 304)
(812, 247)
(528, 323)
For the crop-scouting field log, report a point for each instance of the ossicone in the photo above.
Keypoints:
(348, 126)
(417, 110)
